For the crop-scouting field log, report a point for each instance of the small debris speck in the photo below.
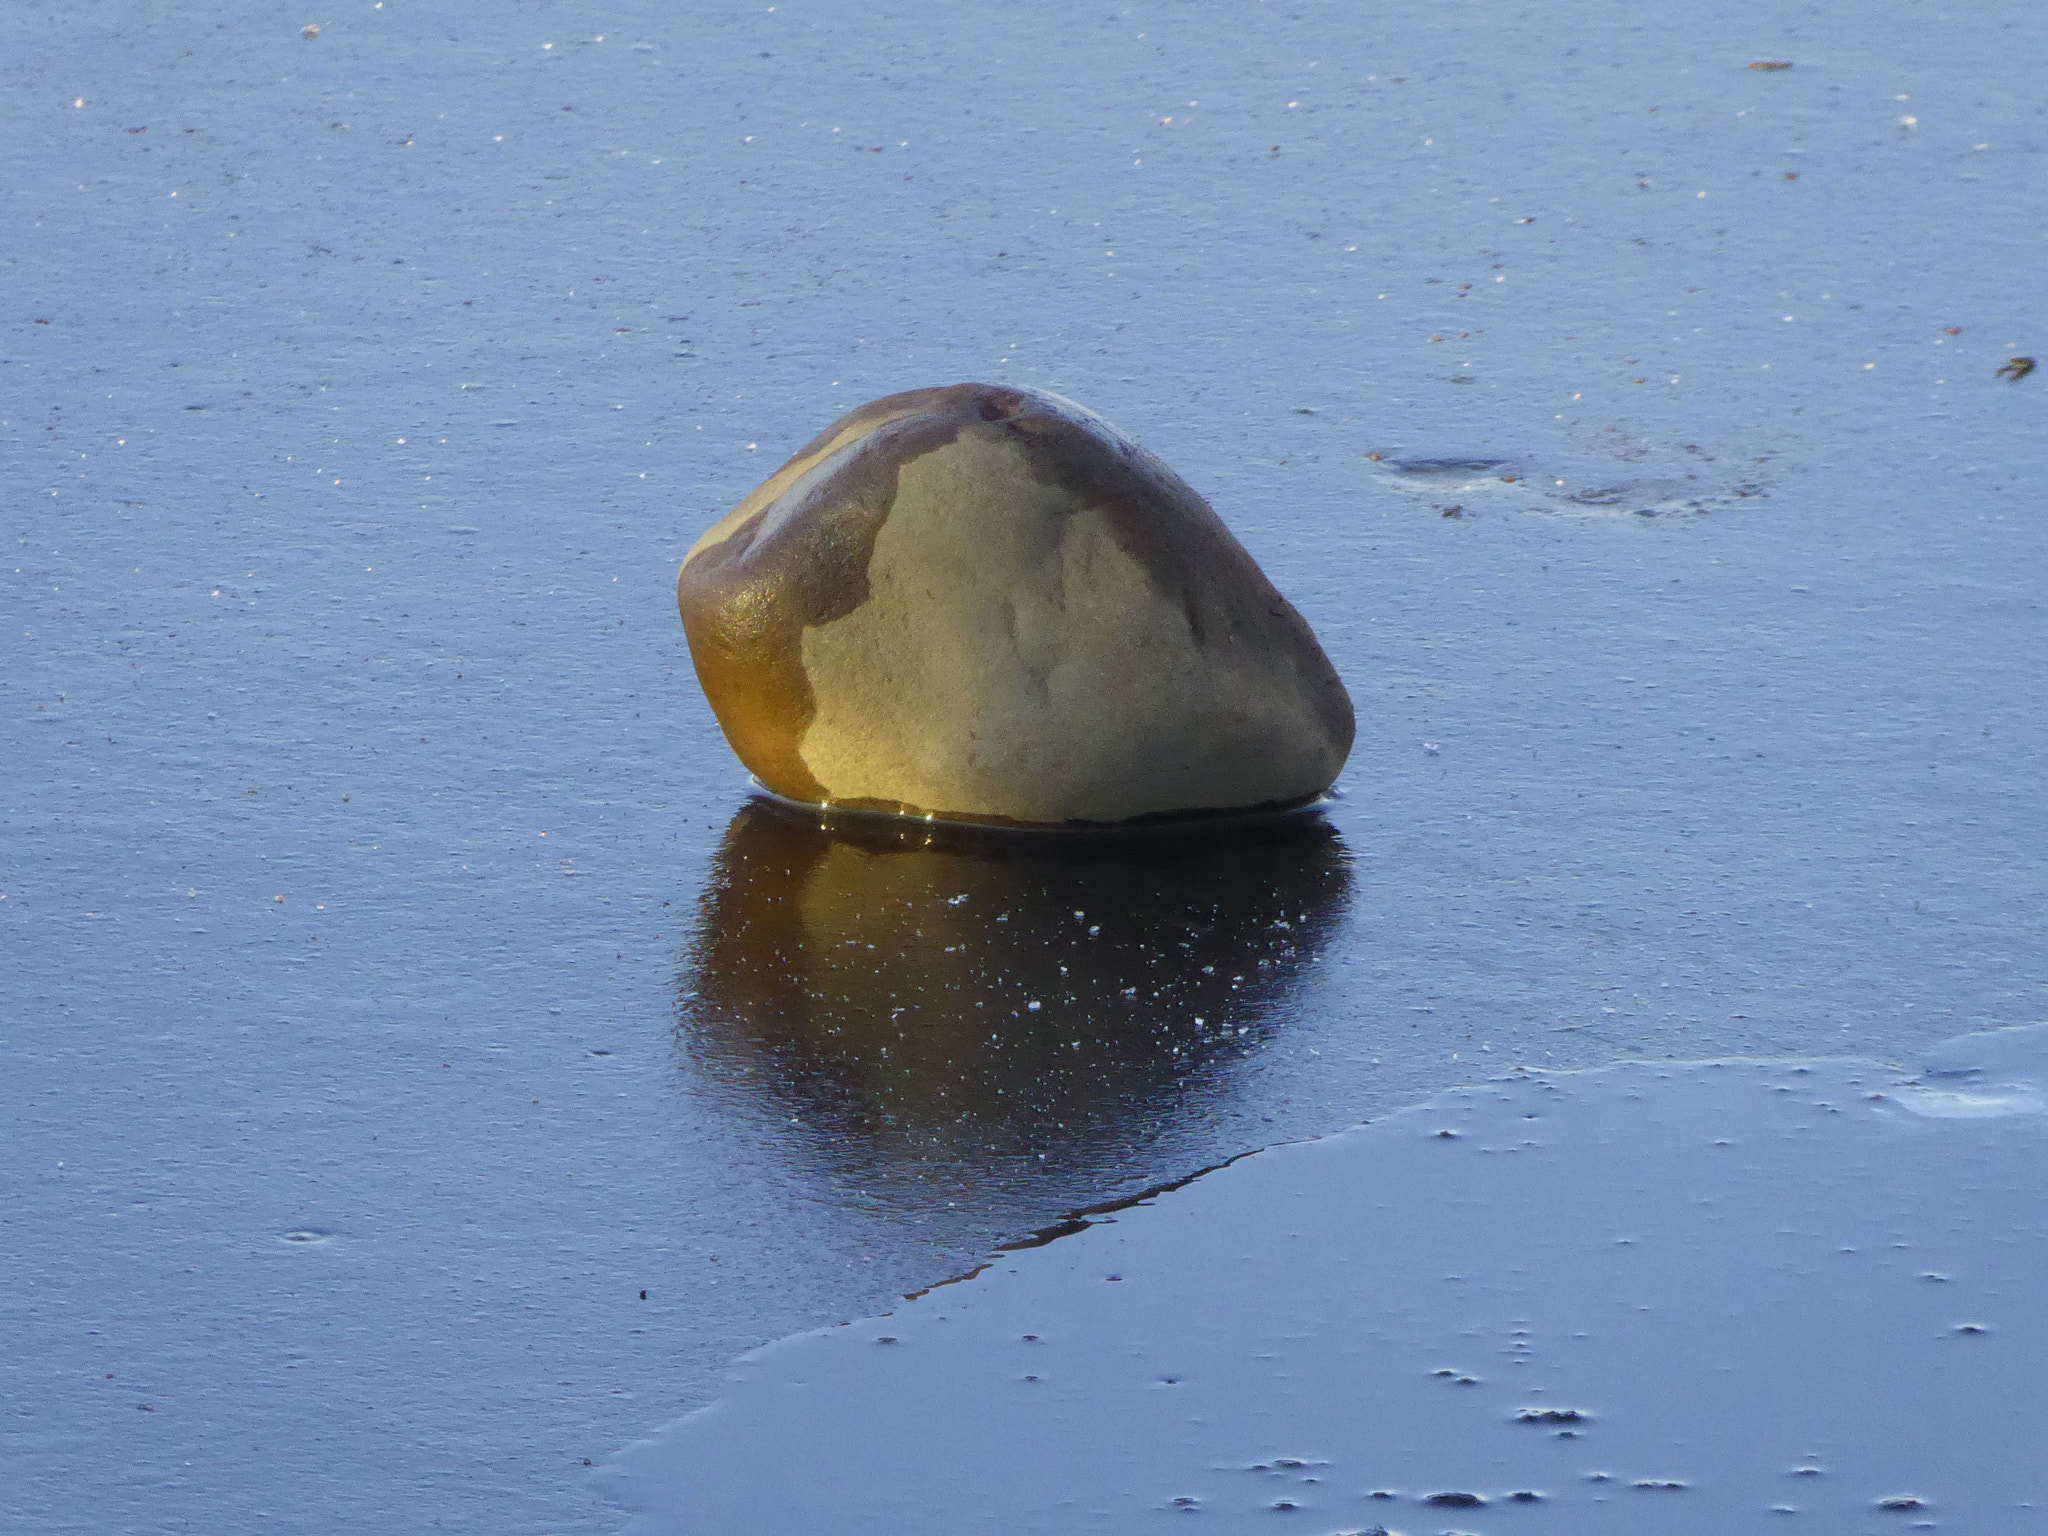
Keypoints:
(1549, 1416)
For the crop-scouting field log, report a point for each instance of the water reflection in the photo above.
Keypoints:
(898, 992)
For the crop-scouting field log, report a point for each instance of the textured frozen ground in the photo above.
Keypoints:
(360, 393)
(1679, 1297)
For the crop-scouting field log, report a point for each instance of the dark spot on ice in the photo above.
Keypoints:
(1383, 1493)
(1438, 469)
(1112, 1277)
(1806, 1472)
(1285, 1504)
(1661, 1484)
(1187, 1501)
(1549, 1416)
(1525, 1496)
(305, 1235)
(1971, 1328)
(887, 1338)
(1454, 1500)
(1447, 1135)
(1901, 1501)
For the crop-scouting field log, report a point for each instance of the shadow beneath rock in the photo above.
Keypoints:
(929, 1000)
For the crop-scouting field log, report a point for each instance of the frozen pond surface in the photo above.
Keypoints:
(1683, 1298)
(385, 1009)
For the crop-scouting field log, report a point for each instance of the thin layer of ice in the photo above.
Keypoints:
(1680, 1297)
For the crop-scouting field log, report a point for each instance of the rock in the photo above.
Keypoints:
(987, 604)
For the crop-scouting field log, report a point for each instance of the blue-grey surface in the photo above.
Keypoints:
(363, 837)
(1682, 1298)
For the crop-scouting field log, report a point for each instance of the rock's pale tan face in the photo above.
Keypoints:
(986, 603)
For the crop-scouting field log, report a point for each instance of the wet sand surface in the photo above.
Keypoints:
(399, 982)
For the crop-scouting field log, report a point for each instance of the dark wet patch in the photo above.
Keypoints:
(1570, 484)
(1000, 404)
(1441, 469)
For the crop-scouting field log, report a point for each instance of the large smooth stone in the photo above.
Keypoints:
(988, 604)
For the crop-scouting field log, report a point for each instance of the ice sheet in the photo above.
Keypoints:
(360, 393)
(1682, 1297)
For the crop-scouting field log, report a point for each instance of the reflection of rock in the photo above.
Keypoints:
(987, 604)
(994, 989)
